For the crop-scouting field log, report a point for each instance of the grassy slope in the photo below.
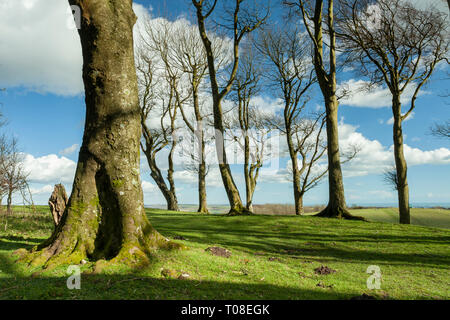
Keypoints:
(414, 261)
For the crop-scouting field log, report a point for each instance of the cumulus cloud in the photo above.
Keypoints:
(38, 51)
(376, 97)
(49, 169)
(68, 151)
(374, 158)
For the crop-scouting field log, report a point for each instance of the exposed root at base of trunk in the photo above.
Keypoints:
(132, 254)
(338, 213)
(241, 211)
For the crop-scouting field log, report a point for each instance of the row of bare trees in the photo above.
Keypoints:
(187, 72)
(105, 216)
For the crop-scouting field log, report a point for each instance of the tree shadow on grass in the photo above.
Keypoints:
(133, 285)
(325, 245)
(95, 287)
(16, 242)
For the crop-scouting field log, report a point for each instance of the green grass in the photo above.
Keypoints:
(438, 218)
(414, 260)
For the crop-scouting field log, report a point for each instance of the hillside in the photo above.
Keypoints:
(272, 257)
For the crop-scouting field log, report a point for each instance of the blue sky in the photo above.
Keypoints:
(40, 67)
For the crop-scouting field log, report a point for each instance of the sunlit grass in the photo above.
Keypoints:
(273, 257)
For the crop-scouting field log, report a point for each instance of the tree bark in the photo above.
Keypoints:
(336, 205)
(171, 199)
(9, 203)
(298, 201)
(236, 206)
(400, 163)
(105, 216)
(57, 203)
(202, 199)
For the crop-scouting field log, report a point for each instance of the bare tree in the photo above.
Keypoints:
(249, 126)
(390, 177)
(157, 101)
(185, 58)
(240, 21)
(319, 22)
(13, 177)
(288, 61)
(441, 130)
(399, 45)
(168, 51)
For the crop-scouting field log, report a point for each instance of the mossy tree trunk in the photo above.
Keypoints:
(105, 217)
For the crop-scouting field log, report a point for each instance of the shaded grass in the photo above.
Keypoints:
(273, 257)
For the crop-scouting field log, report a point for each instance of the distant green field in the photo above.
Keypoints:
(273, 257)
(438, 218)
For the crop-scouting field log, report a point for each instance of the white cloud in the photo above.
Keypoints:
(49, 169)
(410, 117)
(148, 187)
(374, 158)
(38, 51)
(68, 151)
(377, 97)
(47, 189)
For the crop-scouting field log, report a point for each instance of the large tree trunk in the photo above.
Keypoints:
(105, 216)
(400, 164)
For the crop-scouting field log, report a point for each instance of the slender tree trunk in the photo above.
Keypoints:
(171, 199)
(203, 205)
(298, 194)
(400, 163)
(173, 203)
(250, 183)
(105, 216)
(236, 206)
(202, 199)
(9, 203)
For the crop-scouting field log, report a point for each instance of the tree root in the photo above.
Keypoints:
(133, 254)
(240, 211)
(338, 213)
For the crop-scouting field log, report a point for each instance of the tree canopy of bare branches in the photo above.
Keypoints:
(394, 43)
